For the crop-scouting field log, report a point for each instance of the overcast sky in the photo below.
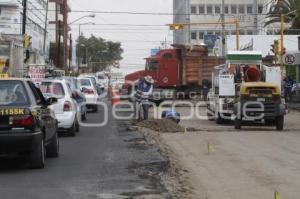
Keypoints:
(136, 40)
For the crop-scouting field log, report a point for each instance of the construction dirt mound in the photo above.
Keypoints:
(162, 125)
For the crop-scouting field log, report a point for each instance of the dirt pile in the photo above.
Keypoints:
(162, 125)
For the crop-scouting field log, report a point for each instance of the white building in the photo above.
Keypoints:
(250, 13)
(11, 12)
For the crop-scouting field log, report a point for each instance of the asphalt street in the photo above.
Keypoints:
(100, 162)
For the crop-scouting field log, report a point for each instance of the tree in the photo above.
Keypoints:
(97, 52)
(291, 10)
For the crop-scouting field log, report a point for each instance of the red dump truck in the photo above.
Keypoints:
(177, 72)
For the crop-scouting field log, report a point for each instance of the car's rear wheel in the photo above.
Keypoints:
(83, 117)
(72, 130)
(52, 150)
(37, 156)
(279, 123)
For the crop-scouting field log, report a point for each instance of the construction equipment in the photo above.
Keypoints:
(178, 72)
(244, 82)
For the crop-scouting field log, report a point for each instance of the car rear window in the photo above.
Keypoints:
(13, 93)
(52, 89)
(85, 82)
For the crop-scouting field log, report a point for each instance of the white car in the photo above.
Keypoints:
(66, 108)
(90, 92)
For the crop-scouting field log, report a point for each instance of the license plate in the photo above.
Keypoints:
(261, 99)
(12, 111)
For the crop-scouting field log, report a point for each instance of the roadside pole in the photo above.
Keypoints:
(223, 28)
(24, 17)
(282, 44)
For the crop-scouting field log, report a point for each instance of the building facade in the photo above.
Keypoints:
(250, 14)
(11, 17)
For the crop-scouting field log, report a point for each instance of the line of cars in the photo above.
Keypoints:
(32, 115)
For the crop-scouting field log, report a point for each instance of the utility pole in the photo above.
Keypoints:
(46, 24)
(223, 28)
(282, 44)
(70, 52)
(24, 17)
(188, 20)
(255, 17)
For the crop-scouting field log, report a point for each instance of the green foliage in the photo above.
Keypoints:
(98, 52)
(285, 7)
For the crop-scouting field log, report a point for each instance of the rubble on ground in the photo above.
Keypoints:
(161, 125)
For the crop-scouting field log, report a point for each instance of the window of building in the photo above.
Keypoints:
(217, 9)
(201, 35)
(233, 9)
(242, 32)
(209, 9)
(249, 32)
(260, 9)
(249, 9)
(241, 9)
(226, 10)
(193, 35)
(201, 9)
(193, 9)
(210, 33)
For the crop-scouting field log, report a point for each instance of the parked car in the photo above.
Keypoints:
(90, 92)
(66, 108)
(78, 96)
(27, 124)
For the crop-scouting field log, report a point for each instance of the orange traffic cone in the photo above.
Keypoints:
(115, 99)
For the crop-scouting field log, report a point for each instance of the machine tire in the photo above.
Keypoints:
(52, 150)
(219, 120)
(37, 156)
(237, 123)
(279, 122)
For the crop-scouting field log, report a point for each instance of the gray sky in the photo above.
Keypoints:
(136, 40)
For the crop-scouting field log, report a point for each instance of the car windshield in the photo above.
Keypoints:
(85, 82)
(52, 89)
(12, 93)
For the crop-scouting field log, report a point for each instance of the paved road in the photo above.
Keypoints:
(106, 162)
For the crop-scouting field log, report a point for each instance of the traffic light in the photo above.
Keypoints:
(276, 47)
(27, 41)
(176, 26)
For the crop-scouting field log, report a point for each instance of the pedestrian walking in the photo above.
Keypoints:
(143, 90)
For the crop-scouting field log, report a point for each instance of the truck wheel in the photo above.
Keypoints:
(237, 123)
(52, 150)
(37, 156)
(279, 123)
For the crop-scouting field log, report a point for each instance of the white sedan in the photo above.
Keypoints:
(66, 109)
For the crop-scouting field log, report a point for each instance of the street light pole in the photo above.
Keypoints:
(24, 17)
